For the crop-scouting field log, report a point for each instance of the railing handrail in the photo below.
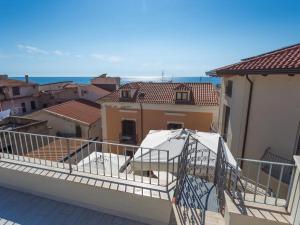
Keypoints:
(265, 162)
(92, 141)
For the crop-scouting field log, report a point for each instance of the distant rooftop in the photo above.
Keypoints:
(13, 83)
(16, 123)
(81, 110)
(203, 94)
(280, 61)
(58, 82)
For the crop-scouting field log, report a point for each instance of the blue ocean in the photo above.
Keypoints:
(85, 80)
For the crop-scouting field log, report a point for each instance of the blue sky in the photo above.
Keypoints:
(139, 37)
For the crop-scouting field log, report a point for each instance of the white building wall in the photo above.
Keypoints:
(274, 115)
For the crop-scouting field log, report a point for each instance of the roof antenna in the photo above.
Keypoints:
(162, 76)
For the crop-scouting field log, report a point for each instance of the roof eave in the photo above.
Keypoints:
(220, 73)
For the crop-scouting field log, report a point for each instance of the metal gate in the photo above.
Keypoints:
(194, 170)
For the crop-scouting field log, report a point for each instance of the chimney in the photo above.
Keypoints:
(26, 78)
(3, 77)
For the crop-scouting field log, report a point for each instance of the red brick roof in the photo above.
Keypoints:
(284, 60)
(164, 93)
(80, 110)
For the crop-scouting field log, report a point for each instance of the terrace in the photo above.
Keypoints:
(200, 185)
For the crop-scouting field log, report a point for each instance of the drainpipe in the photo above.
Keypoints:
(247, 117)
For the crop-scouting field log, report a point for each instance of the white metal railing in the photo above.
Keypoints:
(91, 157)
(263, 181)
(253, 180)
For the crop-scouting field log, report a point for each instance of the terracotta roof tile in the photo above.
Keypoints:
(81, 110)
(284, 60)
(164, 93)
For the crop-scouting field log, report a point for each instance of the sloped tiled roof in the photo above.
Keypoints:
(80, 110)
(284, 60)
(164, 93)
(14, 83)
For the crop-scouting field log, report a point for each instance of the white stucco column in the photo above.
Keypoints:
(294, 201)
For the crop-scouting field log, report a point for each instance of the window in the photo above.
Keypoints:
(182, 96)
(23, 106)
(16, 91)
(83, 92)
(174, 126)
(125, 94)
(78, 131)
(228, 88)
(33, 106)
(226, 122)
(128, 134)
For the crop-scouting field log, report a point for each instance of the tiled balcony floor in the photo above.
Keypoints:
(22, 208)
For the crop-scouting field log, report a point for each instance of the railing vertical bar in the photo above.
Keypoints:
(173, 168)
(69, 155)
(125, 154)
(236, 177)
(16, 146)
(279, 184)
(88, 149)
(119, 161)
(2, 148)
(158, 167)
(150, 166)
(207, 166)
(55, 149)
(195, 160)
(62, 153)
(95, 148)
(290, 187)
(142, 175)
(44, 148)
(26, 144)
(257, 181)
(11, 145)
(133, 167)
(77, 150)
(167, 178)
(32, 147)
(6, 145)
(268, 182)
(82, 156)
(110, 163)
(38, 148)
(50, 151)
(103, 164)
(22, 148)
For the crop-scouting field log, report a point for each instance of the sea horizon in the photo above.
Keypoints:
(124, 80)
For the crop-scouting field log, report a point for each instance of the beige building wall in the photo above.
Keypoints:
(154, 117)
(63, 125)
(274, 114)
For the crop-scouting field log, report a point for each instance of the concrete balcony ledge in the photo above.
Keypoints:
(254, 213)
(129, 199)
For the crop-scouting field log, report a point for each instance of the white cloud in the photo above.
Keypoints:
(107, 58)
(35, 50)
(61, 53)
(32, 49)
